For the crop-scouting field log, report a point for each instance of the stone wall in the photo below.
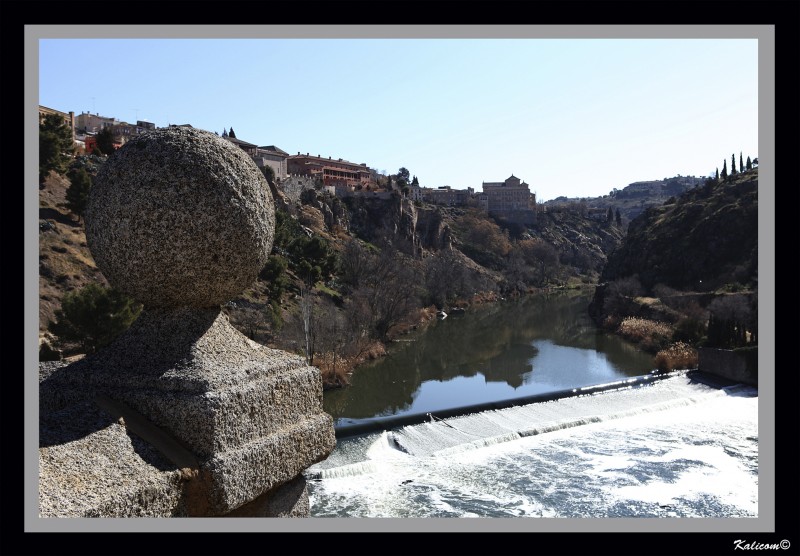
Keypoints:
(737, 365)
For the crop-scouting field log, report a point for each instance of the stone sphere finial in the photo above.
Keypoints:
(179, 217)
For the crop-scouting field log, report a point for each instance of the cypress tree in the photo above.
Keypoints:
(724, 173)
(749, 164)
(741, 162)
(232, 134)
(733, 164)
(716, 177)
(619, 218)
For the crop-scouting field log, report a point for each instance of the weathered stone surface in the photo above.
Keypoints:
(252, 415)
(288, 500)
(205, 421)
(215, 391)
(180, 217)
(90, 465)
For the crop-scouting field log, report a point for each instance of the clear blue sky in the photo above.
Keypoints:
(574, 117)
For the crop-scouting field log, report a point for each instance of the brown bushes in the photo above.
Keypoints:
(677, 356)
(649, 335)
(336, 369)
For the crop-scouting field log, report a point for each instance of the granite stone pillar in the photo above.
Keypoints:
(182, 415)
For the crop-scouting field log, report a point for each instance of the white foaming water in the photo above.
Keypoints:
(672, 448)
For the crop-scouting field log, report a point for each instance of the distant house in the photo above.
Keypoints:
(446, 195)
(272, 156)
(511, 199)
(92, 123)
(415, 193)
(249, 148)
(269, 155)
(68, 117)
(330, 171)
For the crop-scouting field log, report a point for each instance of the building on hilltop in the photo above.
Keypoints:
(415, 193)
(446, 195)
(68, 117)
(268, 155)
(510, 199)
(330, 171)
(249, 148)
(92, 123)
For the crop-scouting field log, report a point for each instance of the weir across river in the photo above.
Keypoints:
(685, 445)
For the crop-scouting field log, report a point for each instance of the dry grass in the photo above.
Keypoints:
(336, 369)
(648, 334)
(65, 262)
(677, 356)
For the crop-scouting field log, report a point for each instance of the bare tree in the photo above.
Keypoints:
(354, 263)
(446, 277)
(309, 322)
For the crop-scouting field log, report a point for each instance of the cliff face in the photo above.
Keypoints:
(580, 242)
(706, 238)
(410, 227)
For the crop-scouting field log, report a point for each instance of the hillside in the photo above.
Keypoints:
(65, 262)
(701, 240)
(376, 266)
(631, 200)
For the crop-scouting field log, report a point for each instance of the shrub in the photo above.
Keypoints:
(692, 327)
(677, 356)
(94, 316)
(648, 334)
(78, 190)
(621, 294)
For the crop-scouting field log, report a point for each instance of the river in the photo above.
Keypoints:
(502, 351)
(674, 447)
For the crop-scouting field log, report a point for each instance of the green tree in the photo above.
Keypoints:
(105, 141)
(619, 218)
(404, 174)
(55, 145)
(610, 215)
(749, 164)
(415, 181)
(716, 176)
(231, 134)
(274, 274)
(724, 172)
(269, 173)
(741, 162)
(80, 182)
(733, 164)
(94, 316)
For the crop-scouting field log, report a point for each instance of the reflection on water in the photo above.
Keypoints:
(503, 351)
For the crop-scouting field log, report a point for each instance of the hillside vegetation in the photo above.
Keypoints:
(701, 240)
(346, 276)
(686, 273)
